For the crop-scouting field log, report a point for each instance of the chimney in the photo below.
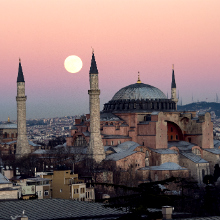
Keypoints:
(20, 217)
(167, 212)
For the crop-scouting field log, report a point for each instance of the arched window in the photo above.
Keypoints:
(196, 151)
(147, 153)
(80, 141)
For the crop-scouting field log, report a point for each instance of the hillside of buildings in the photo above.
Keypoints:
(202, 107)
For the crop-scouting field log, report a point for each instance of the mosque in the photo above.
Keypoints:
(140, 127)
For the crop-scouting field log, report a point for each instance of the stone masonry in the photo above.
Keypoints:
(23, 147)
(95, 149)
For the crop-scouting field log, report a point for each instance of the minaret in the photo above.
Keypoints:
(173, 88)
(95, 149)
(23, 147)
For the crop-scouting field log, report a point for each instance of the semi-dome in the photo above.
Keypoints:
(8, 125)
(139, 91)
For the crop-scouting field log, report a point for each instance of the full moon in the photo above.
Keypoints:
(73, 64)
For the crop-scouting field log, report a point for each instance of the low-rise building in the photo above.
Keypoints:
(7, 190)
(66, 185)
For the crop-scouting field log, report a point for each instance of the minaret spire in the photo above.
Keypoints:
(95, 149)
(23, 147)
(173, 84)
(93, 67)
(173, 87)
(20, 77)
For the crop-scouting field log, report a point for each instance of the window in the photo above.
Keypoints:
(171, 137)
(80, 141)
(171, 129)
(46, 192)
(82, 190)
(112, 142)
(147, 153)
(87, 194)
(106, 142)
(76, 191)
(176, 137)
(119, 142)
(196, 151)
(203, 173)
(61, 190)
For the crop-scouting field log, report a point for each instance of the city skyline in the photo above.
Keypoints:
(127, 37)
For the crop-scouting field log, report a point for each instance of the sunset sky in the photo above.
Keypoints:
(127, 36)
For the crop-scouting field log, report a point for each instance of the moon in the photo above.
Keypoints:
(73, 64)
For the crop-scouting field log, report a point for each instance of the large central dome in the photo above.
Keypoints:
(139, 97)
(138, 91)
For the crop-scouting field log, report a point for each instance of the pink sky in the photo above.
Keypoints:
(127, 35)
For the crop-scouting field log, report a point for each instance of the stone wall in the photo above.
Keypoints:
(212, 159)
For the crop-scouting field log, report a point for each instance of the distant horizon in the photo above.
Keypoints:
(100, 111)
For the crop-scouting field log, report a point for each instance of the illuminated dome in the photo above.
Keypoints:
(139, 91)
(139, 97)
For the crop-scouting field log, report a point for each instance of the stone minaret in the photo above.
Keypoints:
(23, 147)
(173, 88)
(95, 149)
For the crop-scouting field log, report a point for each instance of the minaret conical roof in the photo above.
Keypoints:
(93, 67)
(20, 77)
(173, 84)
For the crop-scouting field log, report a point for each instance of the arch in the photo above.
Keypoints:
(174, 132)
(196, 150)
(79, 141)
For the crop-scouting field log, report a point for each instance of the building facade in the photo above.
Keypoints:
(142, 114)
